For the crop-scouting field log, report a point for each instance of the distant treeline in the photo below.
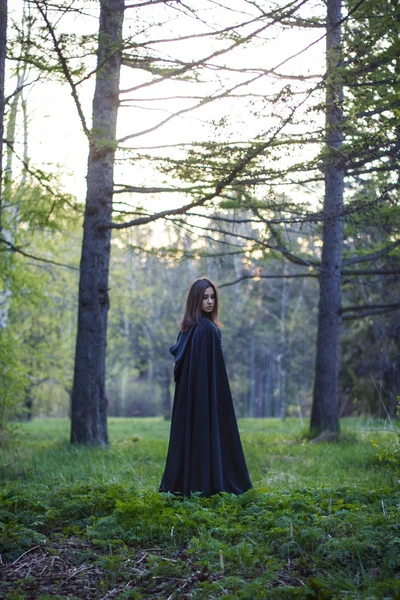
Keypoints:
(269, 329)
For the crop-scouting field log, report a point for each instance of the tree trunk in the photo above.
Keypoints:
(89, 404)
(325, 409)
(282, 363)
(3, 44)
(10, 204)
(391, 379)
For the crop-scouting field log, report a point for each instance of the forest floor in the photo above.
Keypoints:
(322, 522)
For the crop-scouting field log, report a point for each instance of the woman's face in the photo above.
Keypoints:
(208, 302)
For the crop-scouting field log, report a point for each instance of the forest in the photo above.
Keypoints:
(288, 199)
(144, 144)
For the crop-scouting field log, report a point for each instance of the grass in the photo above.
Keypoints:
(277, 453)
(322, 521)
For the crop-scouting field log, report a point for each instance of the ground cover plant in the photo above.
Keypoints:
(321, 522)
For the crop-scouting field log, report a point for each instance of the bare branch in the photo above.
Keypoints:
(20, 88)
(203, 102)
(161, 215)
(203, 61)
(65, 68)
(213, 33)
(36, 175)
(150, 3)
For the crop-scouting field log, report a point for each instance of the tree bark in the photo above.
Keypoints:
(325, 408)
(10, 202)
(3, 44)
(391, 379)
(89, 403)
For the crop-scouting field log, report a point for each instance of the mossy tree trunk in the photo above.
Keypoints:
(89, 403)
(325, 408)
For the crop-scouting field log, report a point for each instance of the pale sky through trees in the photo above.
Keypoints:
(55, 132)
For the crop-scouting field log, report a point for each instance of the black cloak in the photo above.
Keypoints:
(205, 453)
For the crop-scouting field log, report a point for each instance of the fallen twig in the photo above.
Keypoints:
(73, 575)
(23, 554)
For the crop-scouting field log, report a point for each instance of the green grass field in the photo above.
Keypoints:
(277, 453)
(321, 522)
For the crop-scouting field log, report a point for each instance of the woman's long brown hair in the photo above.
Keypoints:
(193, 312)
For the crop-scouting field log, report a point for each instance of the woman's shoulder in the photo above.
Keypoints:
(207, 325)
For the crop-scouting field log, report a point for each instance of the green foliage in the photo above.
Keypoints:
(389, 456)
(304, 542)
(12, 382)
(311, 533)
(36, 345)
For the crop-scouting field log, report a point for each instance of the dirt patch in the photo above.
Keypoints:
(74, 569)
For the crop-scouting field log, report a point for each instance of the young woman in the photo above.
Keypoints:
(205, 453)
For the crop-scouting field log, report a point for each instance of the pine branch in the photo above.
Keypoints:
(162, 214)
(219, 188)
(154, 190)
(256, 276)
(368, 307)
(359, 272)
(371, 257)
(290, 256)
(378, 111)
(369, 311)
